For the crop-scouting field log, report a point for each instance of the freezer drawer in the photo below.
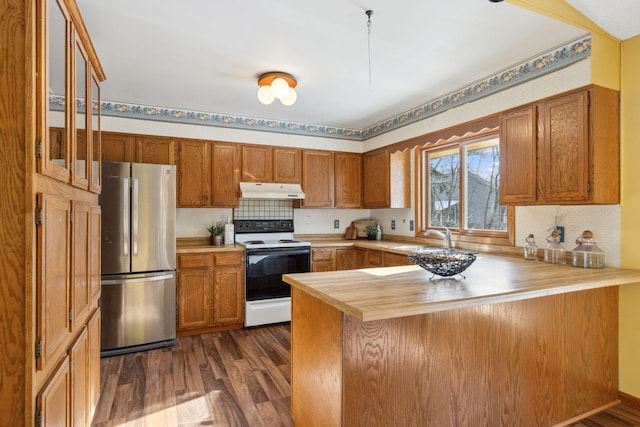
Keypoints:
(138, 312)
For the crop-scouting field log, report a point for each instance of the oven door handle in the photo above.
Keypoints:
(279, 251)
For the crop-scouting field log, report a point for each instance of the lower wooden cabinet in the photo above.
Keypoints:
(353, 258)
(350, 258)
(70, 396)
(93, 338)
(52, 403)
(323, 259)
(390, 259)
(210, 291)
(78, 359)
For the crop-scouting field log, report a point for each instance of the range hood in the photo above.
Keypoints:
(269, 190)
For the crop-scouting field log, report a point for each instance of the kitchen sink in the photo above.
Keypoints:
(415, 248)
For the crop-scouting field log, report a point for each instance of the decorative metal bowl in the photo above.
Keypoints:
(444, 263)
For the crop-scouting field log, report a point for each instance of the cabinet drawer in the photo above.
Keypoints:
(195, 261)
(228, 259)
(322, 255)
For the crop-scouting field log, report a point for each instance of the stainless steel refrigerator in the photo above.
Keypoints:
(138, 300)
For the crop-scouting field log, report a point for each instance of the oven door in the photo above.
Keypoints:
(265, 267)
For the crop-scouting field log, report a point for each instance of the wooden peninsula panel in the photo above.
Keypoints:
(515, 343)
(534, 362)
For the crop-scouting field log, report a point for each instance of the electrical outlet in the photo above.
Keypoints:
(560, 228)
(410, 225)
(393, 224)
(336, 223)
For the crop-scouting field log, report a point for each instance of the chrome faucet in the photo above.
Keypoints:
(446, 236)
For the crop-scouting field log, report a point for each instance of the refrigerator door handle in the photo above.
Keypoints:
(134, 218)
(145, 279)
(125, 217)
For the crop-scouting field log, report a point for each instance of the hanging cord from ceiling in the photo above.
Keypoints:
(369, 13)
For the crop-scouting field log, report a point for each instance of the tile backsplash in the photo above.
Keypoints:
(264, 209)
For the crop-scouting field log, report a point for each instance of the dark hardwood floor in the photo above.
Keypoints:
(235, 378)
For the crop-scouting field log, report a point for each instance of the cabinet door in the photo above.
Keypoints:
(195, 280)
(54, 158)
(323, 259)
(317, 178)
(225, 168)
(348, 180)
(257, 163)
(346, 259)
(95, 247)
(81, 138)
(518, 156)
(194, 173)
(95, 167)
(374, 258)
(93, 339)
(80, 266)
(563, 171)
(228, 288)
(156, 149)
(376, 193)
(78, 356)
(52, 403)
(287, 165)
(53, 296)
(118, 147)
(228, 295)
(391, 259)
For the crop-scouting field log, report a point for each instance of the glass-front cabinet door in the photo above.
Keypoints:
(53, 153)
(96, 141)
(80, 149)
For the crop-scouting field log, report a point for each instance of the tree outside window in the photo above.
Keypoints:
(463, 185)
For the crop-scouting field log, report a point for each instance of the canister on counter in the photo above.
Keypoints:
(554, 253)
(587, 254)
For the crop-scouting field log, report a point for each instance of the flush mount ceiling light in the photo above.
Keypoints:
(276, 84)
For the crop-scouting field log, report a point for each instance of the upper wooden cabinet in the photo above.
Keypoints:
(208, 174)
(572, 158)
(257, 163)
(387, 179)
(518, 164)
(317, 178)
(271, 164)
(225, 186)
(155, 149)
(287, 165)
(125, 147)
(118, 147)
(67, 71)
(348, 180)
(194, 173)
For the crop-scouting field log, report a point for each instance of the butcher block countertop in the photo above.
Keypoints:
(201, 245)
(392, 292)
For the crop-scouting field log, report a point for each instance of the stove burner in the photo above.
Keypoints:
(255, 242)
(288, 241)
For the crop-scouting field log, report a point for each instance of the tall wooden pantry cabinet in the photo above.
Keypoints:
(50, 268)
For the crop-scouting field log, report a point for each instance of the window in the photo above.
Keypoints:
(460, 184)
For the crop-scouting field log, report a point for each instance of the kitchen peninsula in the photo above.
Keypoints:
(515, 343)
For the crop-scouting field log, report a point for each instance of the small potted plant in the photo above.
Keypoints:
(371, 231)
(216, 234)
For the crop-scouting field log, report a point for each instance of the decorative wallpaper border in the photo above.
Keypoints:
(540, 65)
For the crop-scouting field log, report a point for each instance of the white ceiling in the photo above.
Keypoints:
(620, 18)
(206, 55)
